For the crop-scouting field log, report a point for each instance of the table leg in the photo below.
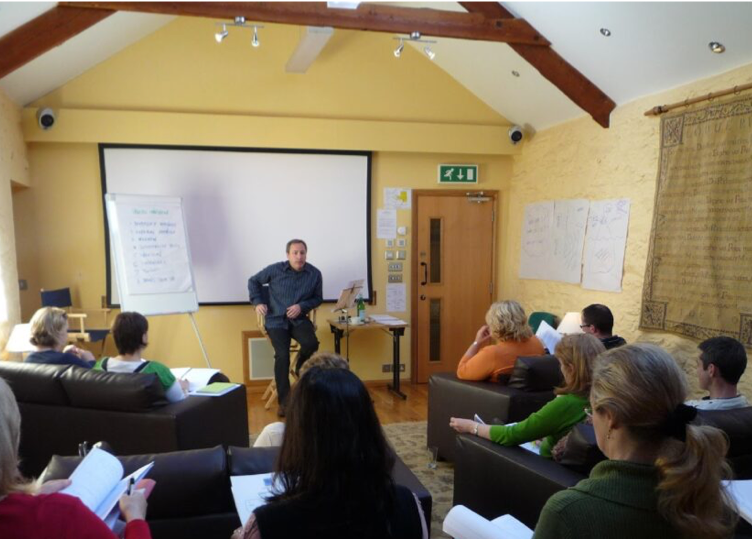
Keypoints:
(394, 387)
(338, 333)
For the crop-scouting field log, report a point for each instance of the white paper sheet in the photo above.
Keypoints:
(548, 336)
(570, 223)
(197, 378)
(397, 198)
(250, 492)
(462, 523)
(741, 491)
(396, 298)
(537, 241)
(386, 224)
(605, 243)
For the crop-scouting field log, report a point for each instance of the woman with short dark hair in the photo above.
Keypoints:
(334, 471)
(130, 331)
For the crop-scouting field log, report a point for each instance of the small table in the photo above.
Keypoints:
(341, 329)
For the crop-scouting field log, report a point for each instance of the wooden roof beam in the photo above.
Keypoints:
(45, 32)
(369, 17)
(553, 67)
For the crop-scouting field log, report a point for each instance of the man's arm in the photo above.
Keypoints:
(256, 282)
(316, 299)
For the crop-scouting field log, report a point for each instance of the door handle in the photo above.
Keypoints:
(425, 274)
(422, 297)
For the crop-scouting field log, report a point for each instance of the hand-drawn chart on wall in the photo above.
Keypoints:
(537, 240)
(605, 243)
(570, 222)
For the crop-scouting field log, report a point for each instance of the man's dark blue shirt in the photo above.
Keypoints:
(287, 287)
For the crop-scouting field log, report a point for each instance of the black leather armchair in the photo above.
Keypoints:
(529, 387)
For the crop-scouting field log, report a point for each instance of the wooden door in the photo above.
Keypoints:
(453, 267)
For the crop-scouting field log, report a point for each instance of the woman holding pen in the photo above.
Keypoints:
(42, 512)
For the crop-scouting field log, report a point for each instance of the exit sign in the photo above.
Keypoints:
(458, 173)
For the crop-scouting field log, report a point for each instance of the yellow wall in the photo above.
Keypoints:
(580, 160)
(14, 174)
(176, 86)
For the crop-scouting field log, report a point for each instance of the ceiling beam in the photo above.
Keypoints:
(370, 17)
(553, 67)
(43, 33)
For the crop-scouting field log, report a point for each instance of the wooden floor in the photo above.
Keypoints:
(389, 407)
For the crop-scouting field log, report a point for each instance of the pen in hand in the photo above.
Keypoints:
(130, 486)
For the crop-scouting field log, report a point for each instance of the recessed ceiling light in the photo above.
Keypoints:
(605, 32)
(516, 73)
(716, 47)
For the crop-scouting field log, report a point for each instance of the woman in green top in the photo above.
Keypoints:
(663, 479)
(131, 333)
(576, 355)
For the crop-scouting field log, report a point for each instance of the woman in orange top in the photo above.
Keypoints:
(507, 323)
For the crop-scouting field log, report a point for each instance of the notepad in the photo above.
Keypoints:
(217, 389)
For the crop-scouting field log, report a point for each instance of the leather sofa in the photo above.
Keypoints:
(62, 406)
(192, 498)
(525, 391)
(494, 480)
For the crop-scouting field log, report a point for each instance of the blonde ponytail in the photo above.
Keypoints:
(690, 496)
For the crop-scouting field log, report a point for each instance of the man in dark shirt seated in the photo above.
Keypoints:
(49, 334)
(295, 288)
(721, 363)
(598, 320)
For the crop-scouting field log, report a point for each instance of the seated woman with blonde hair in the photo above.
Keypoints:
(506, 322)
(30, 511)
(663, 479)
(49, 335)
(577, 356)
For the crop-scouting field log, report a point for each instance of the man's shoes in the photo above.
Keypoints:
(281, 410)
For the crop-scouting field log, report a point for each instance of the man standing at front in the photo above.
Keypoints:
(294, 289)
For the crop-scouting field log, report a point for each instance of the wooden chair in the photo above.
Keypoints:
(270, 394)
(61, 298)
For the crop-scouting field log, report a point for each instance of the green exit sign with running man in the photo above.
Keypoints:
(458, 173)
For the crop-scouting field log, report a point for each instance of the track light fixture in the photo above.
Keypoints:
(414, 37)
(399, 49)
(238, 22)
(220, 36)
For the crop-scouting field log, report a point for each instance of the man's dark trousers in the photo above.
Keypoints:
(302, 332)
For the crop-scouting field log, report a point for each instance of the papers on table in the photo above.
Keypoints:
(462, 523)
(197, 378)
(250, 492)
(548, 336)
(387, 320)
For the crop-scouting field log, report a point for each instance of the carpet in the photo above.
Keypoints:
(409, 441)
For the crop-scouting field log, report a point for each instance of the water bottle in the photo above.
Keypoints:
(361, 309)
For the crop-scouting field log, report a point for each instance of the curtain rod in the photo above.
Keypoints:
(660, 109)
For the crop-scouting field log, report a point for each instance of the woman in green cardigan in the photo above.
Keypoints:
(576, 355)
(663, 479)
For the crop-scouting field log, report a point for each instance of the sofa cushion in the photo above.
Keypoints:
(535, 373)
(35, 383)
(122, 392)
(737, 424)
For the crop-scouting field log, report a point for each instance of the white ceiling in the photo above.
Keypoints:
(654, 46)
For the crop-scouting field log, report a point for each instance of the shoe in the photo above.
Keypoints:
(281, 411)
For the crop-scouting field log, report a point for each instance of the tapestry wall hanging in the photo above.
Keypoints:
(698, 277)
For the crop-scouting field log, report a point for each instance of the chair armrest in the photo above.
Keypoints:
(494, 480)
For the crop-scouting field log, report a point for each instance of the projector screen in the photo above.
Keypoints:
(242, 206)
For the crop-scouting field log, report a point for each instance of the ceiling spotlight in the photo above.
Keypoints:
(515, 73)
(255, 41)
(415, 36)
(220, 36)
(605, 32)
(716, 47)
(431, 55)
(399, 49)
